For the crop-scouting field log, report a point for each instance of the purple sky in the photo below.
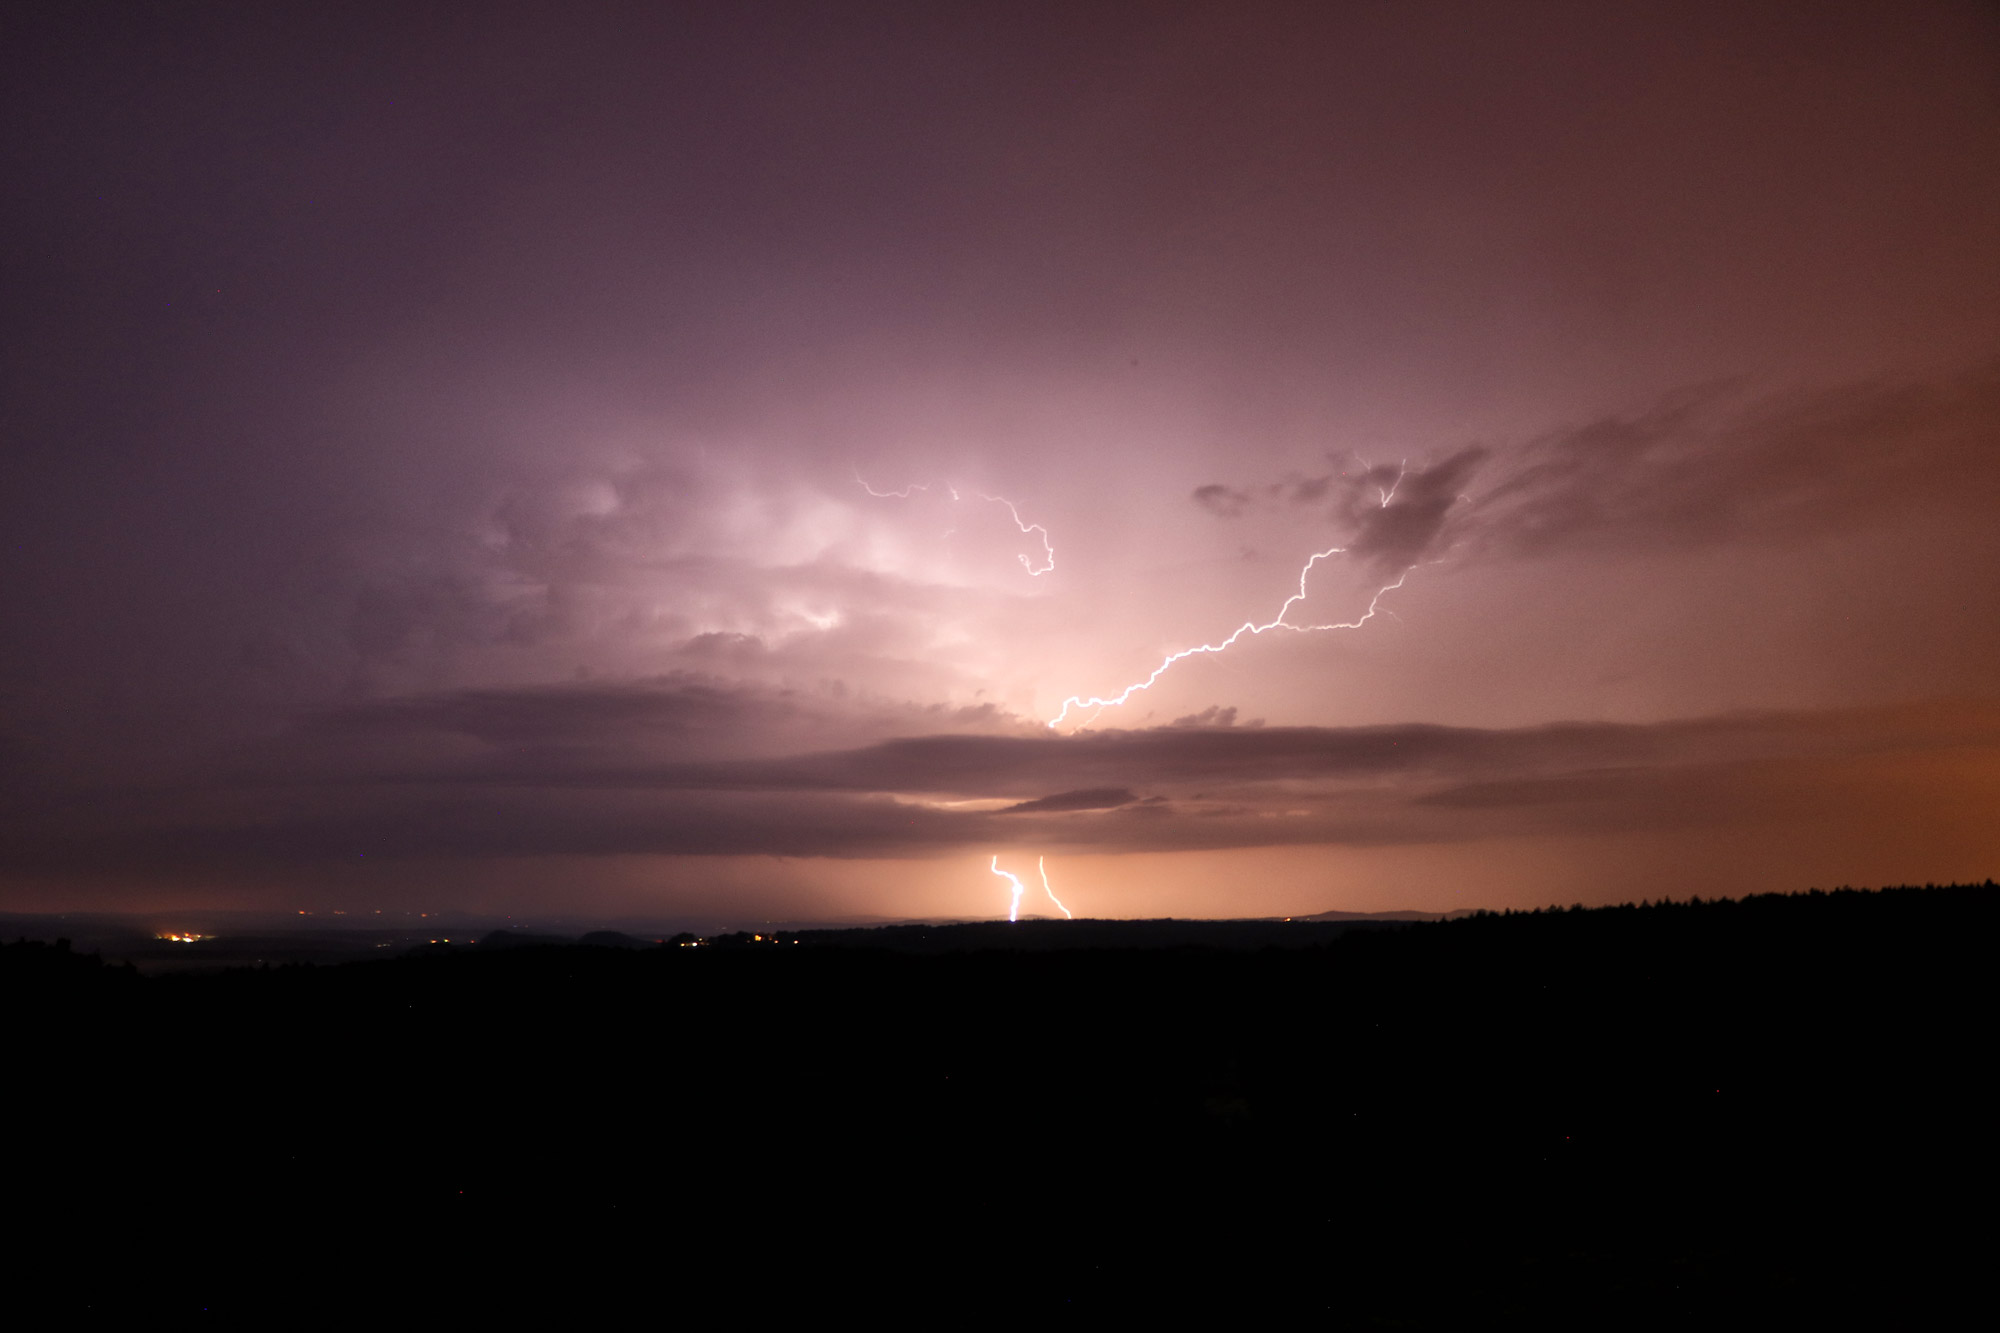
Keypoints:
(488, 456)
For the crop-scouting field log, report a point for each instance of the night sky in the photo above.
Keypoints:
(676, 461)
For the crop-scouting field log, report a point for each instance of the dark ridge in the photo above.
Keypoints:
(1040, 935)
(613, 939)
(518, 939)
(1767, 1112)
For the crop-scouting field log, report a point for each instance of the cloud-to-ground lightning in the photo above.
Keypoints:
(1248, 627)
(1036, 529)
(1384, 494)
(1018, 888)
(1014, 907)
(1042, 864)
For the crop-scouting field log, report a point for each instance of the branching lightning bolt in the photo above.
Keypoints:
(1402, 470)
(1048, 547)
(1248, 627)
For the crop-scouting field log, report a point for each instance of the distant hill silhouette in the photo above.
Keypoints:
(1383, 916)
(518, 939)
(613, 939)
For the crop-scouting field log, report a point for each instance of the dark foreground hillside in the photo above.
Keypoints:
(1676, 1116)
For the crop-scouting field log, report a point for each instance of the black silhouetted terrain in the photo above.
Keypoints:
(1757, 1113)
(1043, 934)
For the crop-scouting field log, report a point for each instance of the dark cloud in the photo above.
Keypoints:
(596, 772)
(1405, 526)
(618, 735)
(1395, 515)
(1092, 798)
(1706, 467)
(1206, 758)
(1228, 502)
(1308, 490)
(1215, 715)
(1221, 500)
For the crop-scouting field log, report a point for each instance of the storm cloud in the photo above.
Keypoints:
(481, 776)
(1713, 466)
(436, 438)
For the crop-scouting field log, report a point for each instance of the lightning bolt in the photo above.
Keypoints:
(1014, 907)
(1048, 547)
(1402, 469)
(1042, 864)
(1048, 550)
(1390, 494)
(903, 494)
(1248, 627)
